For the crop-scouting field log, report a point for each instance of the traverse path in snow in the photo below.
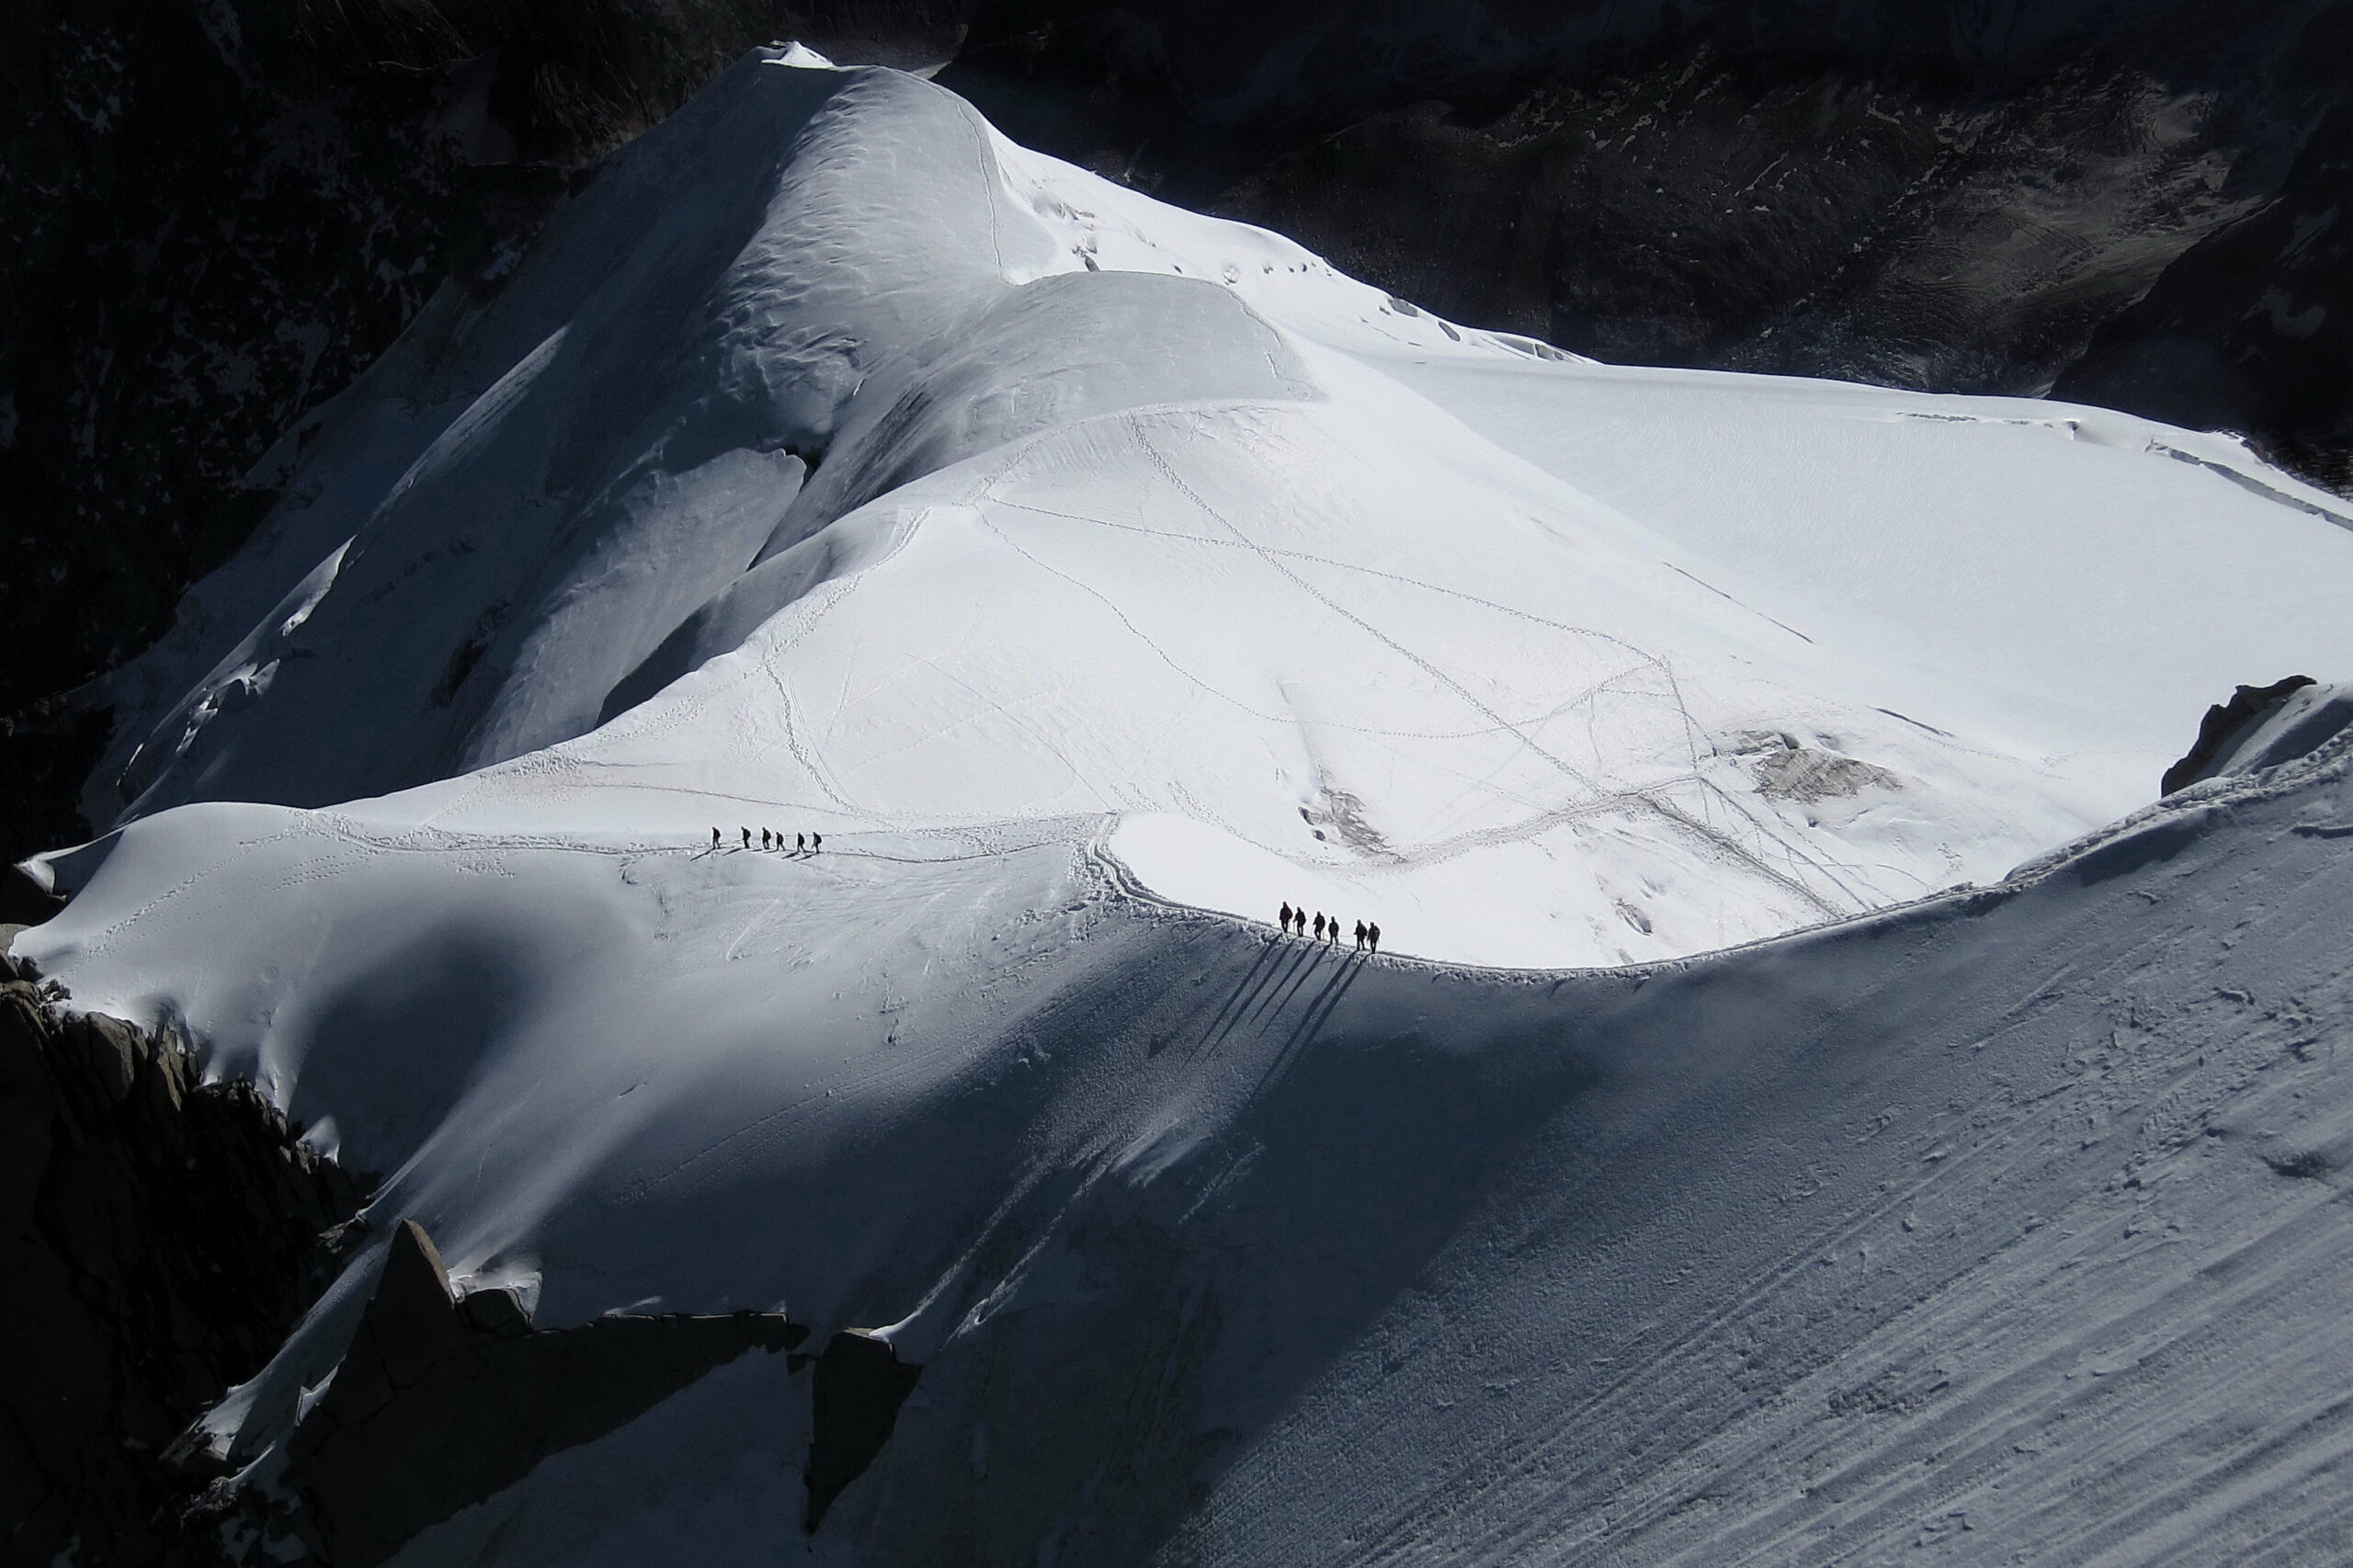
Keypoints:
(835, 458)
(1091, 574)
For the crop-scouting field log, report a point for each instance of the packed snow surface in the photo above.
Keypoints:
(836, 463)
(1088, 572)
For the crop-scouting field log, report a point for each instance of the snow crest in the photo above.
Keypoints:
(836, 459)
(1088, 572)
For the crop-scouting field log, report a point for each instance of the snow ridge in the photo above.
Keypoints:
(837, 467)
(836, 455)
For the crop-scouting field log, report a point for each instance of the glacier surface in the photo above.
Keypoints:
(1092, 574)
(1115, 509)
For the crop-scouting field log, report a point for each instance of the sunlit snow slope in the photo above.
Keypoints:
(2007, 1227)
(837, 465)
(1074, 564)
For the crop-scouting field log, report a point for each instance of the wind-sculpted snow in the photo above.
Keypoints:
(835, 458)
(2004, 1223)
(1087, 572)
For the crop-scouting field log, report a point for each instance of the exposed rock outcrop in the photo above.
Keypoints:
(158, 1237)
(212, 217)
(1953, 200)
(443, 1401)
(2224, 723)
(2252, 329)
(854, 1394)
(1785, 768)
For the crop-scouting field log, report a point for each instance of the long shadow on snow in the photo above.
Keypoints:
(1286, 987)
(1182, 1294)
(1319, 1008)
(1275, 1201)
(1237, 1001)
(1148, 1260)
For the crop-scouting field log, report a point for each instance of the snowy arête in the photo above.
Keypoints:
(1099, 577)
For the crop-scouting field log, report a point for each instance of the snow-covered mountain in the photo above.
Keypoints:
(1090, 574)
(1115, 509)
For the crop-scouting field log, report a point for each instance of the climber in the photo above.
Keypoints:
(1319, 925)
(816, 842)
(1286, 919)
(747, 836)
(1359, 936)
(714, 838)
(1372, 938)
(764, 838)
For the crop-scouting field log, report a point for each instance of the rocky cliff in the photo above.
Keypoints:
(216, 215)
(159, 1235)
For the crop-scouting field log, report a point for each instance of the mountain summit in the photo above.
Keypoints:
(834, 458)
(1096, 578)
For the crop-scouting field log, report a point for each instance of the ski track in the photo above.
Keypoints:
(2006, 1224)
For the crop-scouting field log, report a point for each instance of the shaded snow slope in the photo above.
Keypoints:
(2004, 1223)
(834, 463)
(836, 466)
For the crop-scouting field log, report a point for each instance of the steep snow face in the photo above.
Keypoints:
(1080, 569)
(835, 459)
(2007, 1224)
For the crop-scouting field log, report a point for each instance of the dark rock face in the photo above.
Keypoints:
(159, 1237)
(442, 1401)
(212, 217)
(1932, 197)
(46, 750)
(855, 1393)
(23, 902)
(2252, 329)
(1793, 219)
(213, 214)
(2224, 723)
(202, 240)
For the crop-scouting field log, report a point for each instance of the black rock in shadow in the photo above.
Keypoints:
(443, 1401)
(857, 1386)
(159, 1235)
(2224, 723)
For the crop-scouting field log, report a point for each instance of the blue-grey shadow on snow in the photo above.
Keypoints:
(1237, 1001)
(1359, 1139)
(1319, 1008)
(432, 1010)
(1287, 982)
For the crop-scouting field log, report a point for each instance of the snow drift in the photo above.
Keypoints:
(835, 458)
(1083, 568)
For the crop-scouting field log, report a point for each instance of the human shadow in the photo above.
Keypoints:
(1279, 994)
(1320, 1008)
(1283, 972)
(1237, 1000)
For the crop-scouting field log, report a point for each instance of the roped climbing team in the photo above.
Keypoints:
(803, 843)
(1327, 930)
